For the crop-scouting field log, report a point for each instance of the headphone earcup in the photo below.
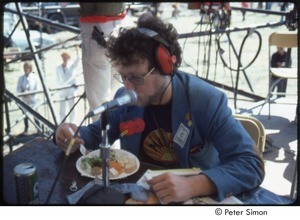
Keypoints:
(164, 60)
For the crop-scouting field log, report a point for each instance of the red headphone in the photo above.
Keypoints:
(163, 59)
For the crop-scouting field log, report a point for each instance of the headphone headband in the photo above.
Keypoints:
(153, 34)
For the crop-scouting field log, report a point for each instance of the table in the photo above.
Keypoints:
(48, 158)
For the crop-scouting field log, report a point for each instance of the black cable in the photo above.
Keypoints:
(199, 44)
(243, 42)
(209, 44)
(208, 27)
(216, 60)
(242, 46)
(82, 96)
(239, 55)
(239, 61)
(64, 161)
(165, 89)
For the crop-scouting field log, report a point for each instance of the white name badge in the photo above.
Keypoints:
(181, 135)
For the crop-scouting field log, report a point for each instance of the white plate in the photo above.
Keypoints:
(119, 154)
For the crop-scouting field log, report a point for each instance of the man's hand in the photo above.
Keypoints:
(170, 187)
(64, 134)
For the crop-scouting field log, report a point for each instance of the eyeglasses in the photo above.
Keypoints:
(135, 80)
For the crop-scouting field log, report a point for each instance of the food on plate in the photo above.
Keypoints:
(117, 166)
(128, 163)
(90, 162)
(120, 163)
(95, 171)
(115, 169)
(130, 166)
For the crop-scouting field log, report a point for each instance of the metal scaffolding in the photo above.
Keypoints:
(47, 125)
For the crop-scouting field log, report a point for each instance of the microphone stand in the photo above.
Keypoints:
(98, 192)
(104, 150)
(105, 194)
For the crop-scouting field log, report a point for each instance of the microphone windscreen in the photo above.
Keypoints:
(133, 96)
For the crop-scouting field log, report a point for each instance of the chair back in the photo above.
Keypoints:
(284, 39)
(255, 129)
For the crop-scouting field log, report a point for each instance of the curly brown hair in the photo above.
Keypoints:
(131, 45)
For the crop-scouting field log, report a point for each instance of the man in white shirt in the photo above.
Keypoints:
(66, 76)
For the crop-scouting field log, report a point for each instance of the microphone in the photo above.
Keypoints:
(132, 127)
(129, 97)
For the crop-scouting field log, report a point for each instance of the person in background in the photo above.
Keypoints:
(244, 5)
(187, 121)
(279, 59)
(175, 12)
(269, 5)
(97, 21)
(65, 74)
(259, 5)
(28, 83)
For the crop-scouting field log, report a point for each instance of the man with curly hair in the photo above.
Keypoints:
(187, 121)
